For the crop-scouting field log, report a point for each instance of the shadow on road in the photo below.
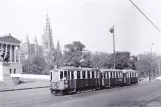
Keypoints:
(22, 82)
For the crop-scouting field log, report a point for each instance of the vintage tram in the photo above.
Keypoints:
(73, 79)
(111, 77)
(130, 77)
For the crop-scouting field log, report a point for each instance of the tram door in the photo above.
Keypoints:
(128, 77)
(124, 75)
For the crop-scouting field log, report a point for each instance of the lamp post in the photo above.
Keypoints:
(151, 52)
(112, 31)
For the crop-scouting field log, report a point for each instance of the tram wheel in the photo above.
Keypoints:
(51, 91)
(62, 93)
(55, 93)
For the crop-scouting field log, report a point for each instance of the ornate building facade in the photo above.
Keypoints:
(28, 49)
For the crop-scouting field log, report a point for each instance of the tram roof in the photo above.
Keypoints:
(129, 71)
(111, 70)
(76, 68)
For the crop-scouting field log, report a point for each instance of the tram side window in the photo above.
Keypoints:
(78, 74)
(65, 74)
(124, 75)
(92, 74)
(121, 75)
(97, 74)
(51, 76)
(133, 74)
(116, 74)
(88, 74)
(61, 74)
(111, 75)
(72, 74)
(68, 77)
(83, 74)
(104, 74)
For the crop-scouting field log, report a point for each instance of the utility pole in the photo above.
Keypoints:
(112, 31)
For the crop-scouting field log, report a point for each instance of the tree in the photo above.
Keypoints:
(148, 65)
(100, 60)
(73, 53)
(123, 61)
(132, 62)
(85, 59)
(34, 65)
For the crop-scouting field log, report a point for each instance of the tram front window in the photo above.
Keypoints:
(65, 74)
(61, 74)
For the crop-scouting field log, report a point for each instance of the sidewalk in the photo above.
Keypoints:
(25, 84)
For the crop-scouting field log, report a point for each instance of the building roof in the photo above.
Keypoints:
(10, 39)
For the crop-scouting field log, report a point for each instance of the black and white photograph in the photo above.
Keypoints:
(80, 53)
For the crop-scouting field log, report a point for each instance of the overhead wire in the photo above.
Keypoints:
(145, 16)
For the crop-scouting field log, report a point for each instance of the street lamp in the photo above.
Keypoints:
(112, 31)
(151, 51)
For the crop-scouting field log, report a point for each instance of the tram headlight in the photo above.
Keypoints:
(56, 87)
(66, 85)
(66, 81)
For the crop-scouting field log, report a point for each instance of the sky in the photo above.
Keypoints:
(87, 21)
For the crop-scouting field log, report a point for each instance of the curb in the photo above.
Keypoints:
(22, 89)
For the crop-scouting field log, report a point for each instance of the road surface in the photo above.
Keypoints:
(129, 96)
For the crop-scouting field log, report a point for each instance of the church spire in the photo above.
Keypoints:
(58, 48)
(47, 24)
(27, 38)
(47, 39)
(36, 40)
(36, 45)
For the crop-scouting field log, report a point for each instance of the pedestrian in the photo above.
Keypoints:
(149, 78)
